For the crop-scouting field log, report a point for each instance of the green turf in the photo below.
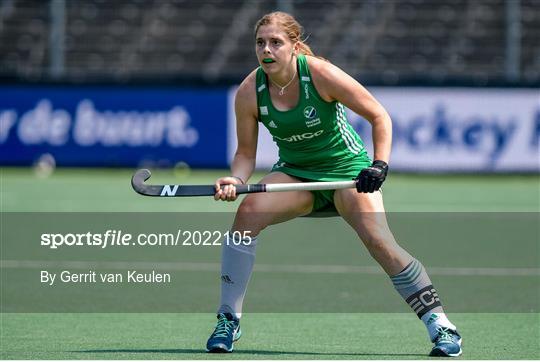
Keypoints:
(347, 335)
(109, 190)
(266, 336)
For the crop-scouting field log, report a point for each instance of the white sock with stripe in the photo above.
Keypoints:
(237, 260)
(416, 288)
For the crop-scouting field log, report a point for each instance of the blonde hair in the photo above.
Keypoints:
(290, 26)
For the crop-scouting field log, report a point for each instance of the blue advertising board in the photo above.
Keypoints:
(113, 126)
(435, 129)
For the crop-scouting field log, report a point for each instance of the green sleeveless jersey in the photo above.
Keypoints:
(315, 140)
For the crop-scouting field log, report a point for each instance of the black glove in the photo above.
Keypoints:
(371, 178)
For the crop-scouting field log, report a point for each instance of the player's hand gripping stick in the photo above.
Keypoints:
(371, 178)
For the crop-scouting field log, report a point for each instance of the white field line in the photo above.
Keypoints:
(261, 268)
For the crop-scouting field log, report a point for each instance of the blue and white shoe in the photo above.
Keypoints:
(447, 343)
(227, 331)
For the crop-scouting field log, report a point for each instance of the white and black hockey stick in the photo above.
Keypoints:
(138, 179)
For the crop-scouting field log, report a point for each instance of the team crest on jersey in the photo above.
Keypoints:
(310, 112)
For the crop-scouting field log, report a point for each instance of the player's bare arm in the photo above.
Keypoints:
(333, 84)
(247, 130)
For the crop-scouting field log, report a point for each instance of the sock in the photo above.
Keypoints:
(435, 320)
(236, 266)
(416, 288)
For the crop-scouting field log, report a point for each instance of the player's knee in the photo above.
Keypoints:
(251, 215)
(250, 205)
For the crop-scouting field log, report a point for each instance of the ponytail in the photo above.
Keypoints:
(303, 48)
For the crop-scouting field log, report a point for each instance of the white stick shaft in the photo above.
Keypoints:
(310, 186)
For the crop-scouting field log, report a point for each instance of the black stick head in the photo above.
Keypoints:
(142, 175)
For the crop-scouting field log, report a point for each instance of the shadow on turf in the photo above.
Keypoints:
(262, 352)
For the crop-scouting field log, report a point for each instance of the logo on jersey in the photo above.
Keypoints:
(272, 124)
(264, 110)
(310, 112)
(306, 86)
(301, 137)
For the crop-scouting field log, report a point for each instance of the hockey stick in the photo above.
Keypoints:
(138, 179)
